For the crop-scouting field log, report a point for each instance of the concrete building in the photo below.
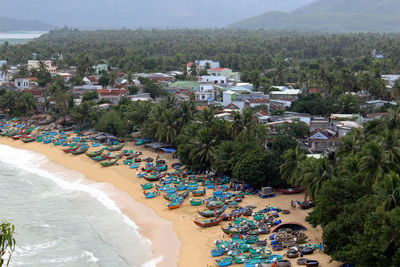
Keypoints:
(203, 63)
(220, 72)
(390, 79)
(214, 79)
(318, 123)
(100, 67)
(205, 92)
(289, 94)
(34, 64)
(21, 83)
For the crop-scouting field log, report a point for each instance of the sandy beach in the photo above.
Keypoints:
(172, 232)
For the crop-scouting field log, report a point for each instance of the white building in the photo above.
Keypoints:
(287, 94)
(390, 79)
(21, 83)
(206, 92)
(214, 79)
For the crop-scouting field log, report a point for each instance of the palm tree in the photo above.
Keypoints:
(4, 71)
(373, 164)
(391, 146)
(222, 157)
(168, 127)
(388, 190)
(237, 124)
(291, 169)
(393, 119)
(203, 146)
(186, 112)
(315, 173)
(206, 116)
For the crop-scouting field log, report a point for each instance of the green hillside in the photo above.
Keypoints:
(332, 16)
(7, 24)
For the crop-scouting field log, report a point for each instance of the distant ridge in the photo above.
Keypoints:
(331, 16)
(7, 24)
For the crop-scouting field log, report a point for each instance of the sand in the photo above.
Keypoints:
(172, 232)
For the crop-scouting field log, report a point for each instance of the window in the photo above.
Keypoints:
(203, 97)
(202, 88)
(19, 84)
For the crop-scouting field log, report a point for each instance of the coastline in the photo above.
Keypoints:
(153, 228)
(187, 245)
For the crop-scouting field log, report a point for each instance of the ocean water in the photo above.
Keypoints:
(15, 37)
(63, 220)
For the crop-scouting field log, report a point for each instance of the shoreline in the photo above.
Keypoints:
(193, 243)
(151, 227)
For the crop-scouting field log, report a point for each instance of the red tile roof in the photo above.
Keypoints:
(199, 108)
(262, 112)
(258, 100)
(315, 90)
(92, 79)
(106, 92)
(231, 106)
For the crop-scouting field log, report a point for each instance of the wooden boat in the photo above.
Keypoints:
(109, 163)
(176, 203)
(199, 193)
(99, 158)
(96, 153)
(116, 147)
(70, 149)
(212, 205)
(212, 213)
(295, 190)
(152, 178)
(208, 222)
(81, 150)
(225, 261)
(109, 155)
(16, 137)
(29, 139)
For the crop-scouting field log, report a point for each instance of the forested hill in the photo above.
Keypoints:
(7, 24)
(332, 16)
(163, 50)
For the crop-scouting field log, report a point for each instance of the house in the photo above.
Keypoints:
(156, 77)
(189, 66)
(321, 140)
(253, 102)
(376, 104)
(112, 95)
(288, 94)
(205, 92)
(262, 117)
(91, 80)
(214, 79)
(220, 72)
(50, 67)
(243, 99)
(318, 123)
(100, 68)
(21, 83)
(390, 79)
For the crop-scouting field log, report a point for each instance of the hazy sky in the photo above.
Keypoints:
(142, 13)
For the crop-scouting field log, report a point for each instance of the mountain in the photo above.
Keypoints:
(7, 24)
(95, 14)
(332, 16)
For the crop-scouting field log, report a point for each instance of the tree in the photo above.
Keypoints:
(4, 71)
(133, 90)
(110, 122)
(104, 80)
(25, 104)
(7, 241)
(292, 167)
(251, 168)
(92, 95)
(203, 148)
(193, 70)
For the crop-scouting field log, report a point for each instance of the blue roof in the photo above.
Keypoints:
(168, 150)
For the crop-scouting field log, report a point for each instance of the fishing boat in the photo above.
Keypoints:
(96, 153)
(109, 155)
(217, 252)
(212, 213)
(295, 190)
(110, 162)
(196, 202)
(134, 166)
(199, 193)
(212, 205)
(29, 139)
(150, 194)
(225, 261)
(70, 149)
(176, 203)
(99, 158)
(147, 186)
(152, 178)
(116, 147)
(208, 222)
(81, 150)
(240, 259)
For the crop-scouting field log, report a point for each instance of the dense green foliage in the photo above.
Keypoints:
(7, 241)
(357, 194)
